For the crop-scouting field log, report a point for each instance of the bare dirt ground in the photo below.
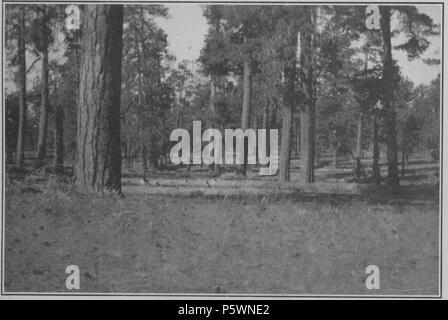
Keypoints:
(245, 244)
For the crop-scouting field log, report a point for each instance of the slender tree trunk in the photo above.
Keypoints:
(266, 125)
(358, 155)
(128, 149)
(288, 107)
(376, 174)
(59, 137)
(43, 120)
(274, 115)
(98, 166)
(141, 96)
(212, 112)
(298, 146)
(212, 102)
(307, 110)
(402, 163)
(145, 158)
(245, 113)
(22, 89)
(390, 118)
(285, 151)
(179, 116)
(335, 157)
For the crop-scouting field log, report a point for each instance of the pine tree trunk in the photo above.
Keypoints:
(376, 174)
(266, 125)
(307, 110)
(145, 158)
(390, 116)
(212, 102)
(402, 163)
(335, 157)
(274, 115)
(128, 150)
(43, 120)
(358, 167)
(245, 113)
(298, 146)
(285, 147)
(59, 137)
(212, 114)
(288, 108)
(22, 89)
(98, 166)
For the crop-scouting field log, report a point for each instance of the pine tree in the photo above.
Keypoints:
(98, 160)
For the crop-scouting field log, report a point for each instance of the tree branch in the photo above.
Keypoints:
(32, 65)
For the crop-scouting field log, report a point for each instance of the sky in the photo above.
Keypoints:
(186, 29)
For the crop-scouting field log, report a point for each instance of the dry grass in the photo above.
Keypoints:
(242, 244)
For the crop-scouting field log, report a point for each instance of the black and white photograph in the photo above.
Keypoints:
(222, 149)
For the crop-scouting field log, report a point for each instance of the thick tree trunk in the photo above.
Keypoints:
(22, 89)
(376, 174)
(288, 107)
(59, 137)
(358, 154)
(245, 113)
(307, 110)
(98, 166)
(43, 120)
(390, 116)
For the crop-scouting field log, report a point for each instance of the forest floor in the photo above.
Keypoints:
(319, 243)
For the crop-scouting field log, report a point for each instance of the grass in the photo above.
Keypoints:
(242, 243)
(197, 244)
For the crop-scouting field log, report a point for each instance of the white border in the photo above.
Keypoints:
(181, 296)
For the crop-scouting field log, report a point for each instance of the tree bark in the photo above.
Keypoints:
(307, 110)
(98, 166)
(43, 119)
(22, 89)
(390, 115)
